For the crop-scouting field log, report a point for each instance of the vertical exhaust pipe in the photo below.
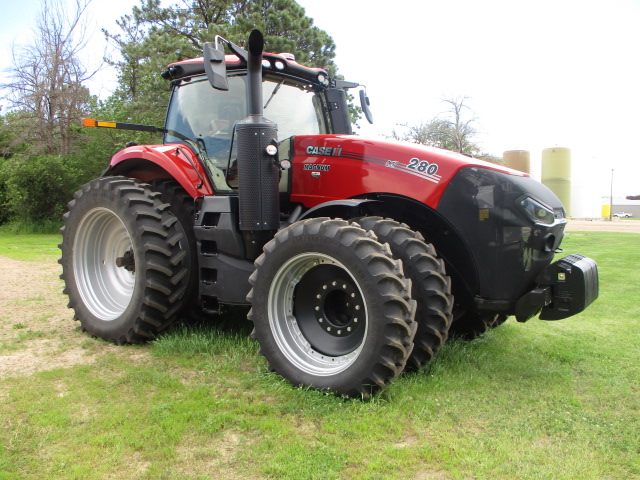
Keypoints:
(258, 175)
(254, 74)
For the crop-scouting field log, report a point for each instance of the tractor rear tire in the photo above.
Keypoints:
(431, 287)
(181, 205)
(331, 308)
(123, 268)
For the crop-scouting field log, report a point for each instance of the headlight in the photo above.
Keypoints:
(323, 79)
(537, 212)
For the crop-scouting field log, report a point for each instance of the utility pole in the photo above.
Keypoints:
(611, 197)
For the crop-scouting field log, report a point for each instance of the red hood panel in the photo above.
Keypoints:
(332, 167)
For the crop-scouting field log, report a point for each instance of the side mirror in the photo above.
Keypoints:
(215, 66)
(364, 103)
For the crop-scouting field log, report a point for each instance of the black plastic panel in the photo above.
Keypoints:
(509, 250)
(224, 271)
(338, 111)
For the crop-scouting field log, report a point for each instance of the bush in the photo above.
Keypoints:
(38, 188)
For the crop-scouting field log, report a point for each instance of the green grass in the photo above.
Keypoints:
(22, 227)
(30, 247)
(541, 400)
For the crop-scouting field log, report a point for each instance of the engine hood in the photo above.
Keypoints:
(331, 167)
(438, 155)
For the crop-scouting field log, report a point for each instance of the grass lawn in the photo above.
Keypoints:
(30, 247)
(540, 400)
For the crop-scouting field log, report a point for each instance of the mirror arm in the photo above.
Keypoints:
(240, 52)
(345, 84)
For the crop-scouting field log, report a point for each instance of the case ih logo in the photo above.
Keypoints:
(326, 151)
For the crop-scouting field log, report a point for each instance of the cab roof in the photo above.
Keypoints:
(271, 62)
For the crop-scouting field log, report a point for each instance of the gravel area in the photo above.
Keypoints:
(622, 226)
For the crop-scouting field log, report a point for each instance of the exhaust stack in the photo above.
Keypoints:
(258, 174)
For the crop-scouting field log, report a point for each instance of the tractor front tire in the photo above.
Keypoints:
(331, 308)
(470, 325)
(123, 268)
(431, 287)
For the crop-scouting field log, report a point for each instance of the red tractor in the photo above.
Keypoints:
(357, 256)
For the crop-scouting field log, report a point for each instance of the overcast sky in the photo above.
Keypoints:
(538, 74)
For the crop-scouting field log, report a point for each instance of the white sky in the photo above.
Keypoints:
(538, 74)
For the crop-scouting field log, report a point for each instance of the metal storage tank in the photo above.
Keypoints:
(518, 160)
(556, 173)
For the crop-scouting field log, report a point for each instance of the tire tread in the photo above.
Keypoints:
(161, 261)
(397, 332)
(431, 287)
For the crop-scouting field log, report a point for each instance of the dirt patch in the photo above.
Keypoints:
(37, 330)
(212, 457)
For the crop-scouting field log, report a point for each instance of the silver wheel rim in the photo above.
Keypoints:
(105, 288)
(284, 326)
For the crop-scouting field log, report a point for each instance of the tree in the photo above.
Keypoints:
(46, 88)
(434, 133)
(153, 36)
(462, 131)
(454, 132)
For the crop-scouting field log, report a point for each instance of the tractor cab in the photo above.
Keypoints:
(298, 99)
(209, 116)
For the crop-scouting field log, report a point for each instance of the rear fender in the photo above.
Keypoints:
(150, 162)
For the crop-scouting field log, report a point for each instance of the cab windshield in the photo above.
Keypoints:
(207, 116)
